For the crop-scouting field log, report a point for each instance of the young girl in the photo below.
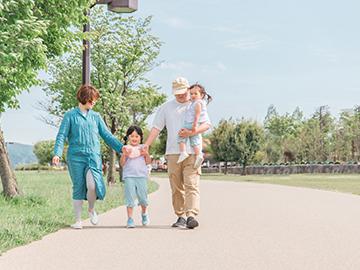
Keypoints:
(194, 116)
(82, 127)
(134, 161)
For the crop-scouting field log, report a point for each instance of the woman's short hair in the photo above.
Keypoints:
(87, 93)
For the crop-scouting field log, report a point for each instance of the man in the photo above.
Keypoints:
(184, 178)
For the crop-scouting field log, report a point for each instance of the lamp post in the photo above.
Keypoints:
(118, 6)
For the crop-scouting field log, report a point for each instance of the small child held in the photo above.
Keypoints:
(194, 116)
(134, 160)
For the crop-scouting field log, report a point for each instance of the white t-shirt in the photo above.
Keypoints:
(171, 115)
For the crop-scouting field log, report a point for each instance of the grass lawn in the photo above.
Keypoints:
(45, 207)
(348, 183)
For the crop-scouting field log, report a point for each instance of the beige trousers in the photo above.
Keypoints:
(184, 182)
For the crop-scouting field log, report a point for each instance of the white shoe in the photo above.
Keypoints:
(199, 159)
(93, 218)
(182, 157)
(77, 225)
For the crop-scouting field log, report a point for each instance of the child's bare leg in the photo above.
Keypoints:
(144, 215)
(182, 147)
(196, 149)
(129, 212)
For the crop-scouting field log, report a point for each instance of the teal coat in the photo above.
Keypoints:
(83, 135)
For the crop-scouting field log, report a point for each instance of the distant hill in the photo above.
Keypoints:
(20, 154)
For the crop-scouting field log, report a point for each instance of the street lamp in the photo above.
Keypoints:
(118, 6)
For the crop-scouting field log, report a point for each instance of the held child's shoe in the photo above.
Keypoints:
(145, 219)
(198, 161)
(182, 157)
(77, 225)
(130, 223)
(93, 218)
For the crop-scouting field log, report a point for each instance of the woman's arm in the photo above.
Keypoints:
(61, 137)
(109, 139)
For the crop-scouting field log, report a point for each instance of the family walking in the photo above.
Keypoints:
(185, 118)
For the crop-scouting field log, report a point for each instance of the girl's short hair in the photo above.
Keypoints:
(202, 91)
(130, 130)
(87, 93)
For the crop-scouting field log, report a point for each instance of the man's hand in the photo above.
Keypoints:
(144, 150)
(56, 160)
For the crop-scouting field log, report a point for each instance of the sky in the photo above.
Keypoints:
(248, 54)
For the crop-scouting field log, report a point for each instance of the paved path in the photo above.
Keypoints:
(242, 226)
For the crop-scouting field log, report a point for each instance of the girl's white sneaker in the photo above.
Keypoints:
(77, 225)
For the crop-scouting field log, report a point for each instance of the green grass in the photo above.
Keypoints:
(45, 207)
(347, 183)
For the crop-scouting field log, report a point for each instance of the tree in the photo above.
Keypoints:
(123, 51)
(158, 148)
(44, 151)
(281, 132)
(223, 142)
(248, 137)
(31, 32)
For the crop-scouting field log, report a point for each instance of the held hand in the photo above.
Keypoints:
(184, 133)
(126, 151)
(56, 160)
(144, 150)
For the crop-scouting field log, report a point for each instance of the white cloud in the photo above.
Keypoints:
(244, 44)
(187, 66)
(327, 54)
(181, 65)
(176, 22)
(227, 29)
(221, 66)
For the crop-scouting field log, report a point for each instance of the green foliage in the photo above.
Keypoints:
(31, 31)
(158, 148)
(123, 50)
(248, 137)
(45, 208)
(281, 132)
(44, 151)
(222, 141)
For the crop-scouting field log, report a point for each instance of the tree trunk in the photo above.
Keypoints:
(8, 179)
(111, 169)
(226, 168)
(243, 169)
(120, 173)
